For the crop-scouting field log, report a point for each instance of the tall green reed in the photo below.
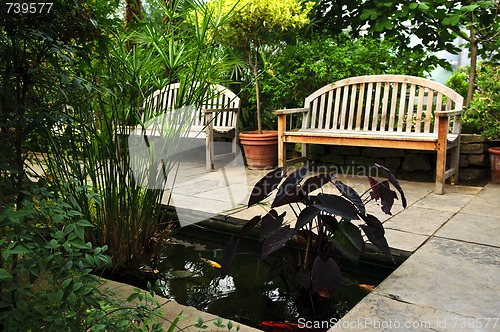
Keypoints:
(89, 147)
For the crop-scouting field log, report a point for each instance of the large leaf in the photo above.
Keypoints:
(345, 246)
(373, 221)
(378, 240)
(329, 222)
(392, 179)
(277, 241)
(337, 205)
(325, 277)
(382, 191)
(316, 182)
(294, 196)
(374, 184)
(304, 278)
(249, 225)
(271, 222)
(229, 254)
(290, 185)
(353, 233)
(4, 275)
(352, 195)
(265, 186)
(275, 269)
(306, 215)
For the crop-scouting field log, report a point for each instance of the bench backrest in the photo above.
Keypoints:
(217, 97)
(397, 103)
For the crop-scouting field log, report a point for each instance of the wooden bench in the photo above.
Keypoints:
(384, 111)
(217, 116)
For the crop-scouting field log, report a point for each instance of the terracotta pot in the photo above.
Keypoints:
(261, 150)
(495, 164)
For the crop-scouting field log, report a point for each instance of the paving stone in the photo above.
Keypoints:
(450, 201)
(486, 202)
(448, 275)
(476, 228)
(403, 241)
(419, 220)
(381, 313)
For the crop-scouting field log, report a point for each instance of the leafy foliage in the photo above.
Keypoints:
(294, 71)
(255, 24)
(83, 110)
(483, 115)
(323, 228)
(437, 24)
(46, 276)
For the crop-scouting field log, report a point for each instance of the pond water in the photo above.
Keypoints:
(189, 273)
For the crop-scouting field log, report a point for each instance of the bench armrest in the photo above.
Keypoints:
(215, 110)
(291, 111)
(448, 113)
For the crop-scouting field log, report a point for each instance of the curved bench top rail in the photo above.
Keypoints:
(456, 97)
(217, 97)
(381, 103)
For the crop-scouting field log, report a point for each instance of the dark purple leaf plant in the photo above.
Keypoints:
(325, 227)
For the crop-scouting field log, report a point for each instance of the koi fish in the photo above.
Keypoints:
(148, 269)
(211, 263)
(369, 288)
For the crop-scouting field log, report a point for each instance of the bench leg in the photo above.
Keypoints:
(455, 160)
(441, 155)
(281, 141)
(209, 154)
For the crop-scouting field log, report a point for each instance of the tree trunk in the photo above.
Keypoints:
(133, 12)
(254, 64)
(473, 64)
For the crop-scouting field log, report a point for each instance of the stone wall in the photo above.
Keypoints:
(405, 164)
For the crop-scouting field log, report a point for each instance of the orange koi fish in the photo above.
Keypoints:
(211, 263)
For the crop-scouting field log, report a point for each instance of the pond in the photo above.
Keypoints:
(190, 274)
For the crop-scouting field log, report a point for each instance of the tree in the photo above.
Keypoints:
(133, 12)
(438, 23)
(256, 23)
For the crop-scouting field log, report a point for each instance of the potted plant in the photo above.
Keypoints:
(252, 25)
(322, 231)
(483, 113)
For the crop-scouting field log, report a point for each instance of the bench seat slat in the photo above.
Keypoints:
(369, 134)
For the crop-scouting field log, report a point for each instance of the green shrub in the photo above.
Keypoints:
(46, 280)
(292, 72)
(458, 81)
(483, 115)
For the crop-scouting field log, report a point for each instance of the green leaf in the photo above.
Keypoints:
(452, 20)
(66, 283)
(4, 275)
(19, 249)
(132, 296)
(84, 223)
(176, 320)
(53, 244)
(72, 299)
(423, 6)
